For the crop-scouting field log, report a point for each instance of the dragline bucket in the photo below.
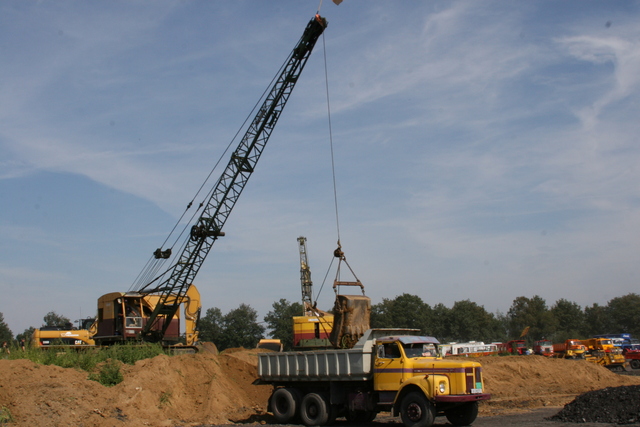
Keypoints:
(351, 313)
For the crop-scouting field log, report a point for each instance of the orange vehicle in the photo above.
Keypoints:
(570, 349)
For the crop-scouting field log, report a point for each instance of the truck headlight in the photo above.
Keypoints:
(442, 387)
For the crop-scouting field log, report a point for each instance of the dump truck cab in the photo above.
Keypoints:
(411, 375)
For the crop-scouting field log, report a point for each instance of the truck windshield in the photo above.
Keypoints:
(420, 350)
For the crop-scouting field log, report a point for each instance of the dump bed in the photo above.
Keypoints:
(324, 365)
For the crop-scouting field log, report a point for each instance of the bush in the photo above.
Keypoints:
(109, 374)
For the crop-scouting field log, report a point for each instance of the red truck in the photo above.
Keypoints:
(514, 347)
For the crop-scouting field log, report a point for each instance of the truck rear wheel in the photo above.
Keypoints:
(315, 410)
(635, 363)
(284, 404)
(463, 415)
(416, 410)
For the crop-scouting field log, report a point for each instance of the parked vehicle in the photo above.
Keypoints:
(543, 348)
(570, 349)
(387, 370)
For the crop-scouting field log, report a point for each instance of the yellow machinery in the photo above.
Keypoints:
(123, 315)
(151, 312)
(65, 336)
(603, 352)
(313, 328)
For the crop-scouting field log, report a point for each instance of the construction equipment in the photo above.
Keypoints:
(65, 336)
(543, 348)
(313, 328)
(123, 315)
(159, 299)
(570, 349)
(603, 352)
(387, 370)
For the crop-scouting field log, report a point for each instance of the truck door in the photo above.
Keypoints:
(387, 371)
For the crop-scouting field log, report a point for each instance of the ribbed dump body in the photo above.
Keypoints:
(325, 365)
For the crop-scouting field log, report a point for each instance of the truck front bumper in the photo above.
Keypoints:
(461, 398)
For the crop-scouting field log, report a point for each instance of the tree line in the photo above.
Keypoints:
(464, 321)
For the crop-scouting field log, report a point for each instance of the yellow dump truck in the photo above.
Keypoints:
(387, 370)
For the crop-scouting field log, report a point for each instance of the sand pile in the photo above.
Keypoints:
(205, 388)
(525, 382)
(163, 391)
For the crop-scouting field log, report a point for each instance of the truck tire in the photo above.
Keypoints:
(284, 404)
(463, 415)
(315, 410)
(416, 410)
(635, 363)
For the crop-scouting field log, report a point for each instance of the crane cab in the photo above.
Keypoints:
(121, 317)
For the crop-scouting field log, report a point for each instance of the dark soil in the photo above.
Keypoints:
(616, 405)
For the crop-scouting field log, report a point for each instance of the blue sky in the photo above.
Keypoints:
(483, 150)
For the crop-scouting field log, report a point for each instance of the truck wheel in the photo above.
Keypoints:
(463, 415)
(314, 410)
(635, 363)
(284, 404)
(416, 410)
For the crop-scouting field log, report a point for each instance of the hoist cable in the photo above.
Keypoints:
(333, 166)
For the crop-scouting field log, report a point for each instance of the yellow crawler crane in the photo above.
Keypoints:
(313, 329)
(122, 316)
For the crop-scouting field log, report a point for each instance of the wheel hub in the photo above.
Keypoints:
(414, 412)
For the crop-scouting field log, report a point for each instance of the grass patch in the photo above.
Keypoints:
(103, 364)
(165, 399)
(5, 416)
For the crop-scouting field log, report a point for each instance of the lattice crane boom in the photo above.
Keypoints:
(228, 188)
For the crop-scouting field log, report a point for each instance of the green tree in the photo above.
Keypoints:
(54, 319)
(469, 321)
(5, 332)
(570, 320)
(596, 320)
(280, 321)
(530, 313)
(210, 325)
(240, 328)
(440, 323)
(624, 314)
(404, 311)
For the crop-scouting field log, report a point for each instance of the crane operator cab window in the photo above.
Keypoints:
(132, 314)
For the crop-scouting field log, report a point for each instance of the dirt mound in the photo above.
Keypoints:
(525, 382)
(209, 388)
(164, 391)
(617, 405)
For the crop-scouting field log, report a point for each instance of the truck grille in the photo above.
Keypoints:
(473, 379)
